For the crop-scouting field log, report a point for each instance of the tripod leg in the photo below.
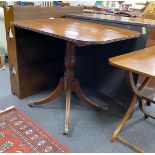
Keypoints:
(51, 97)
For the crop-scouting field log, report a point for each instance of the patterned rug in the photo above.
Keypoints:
(18, 133)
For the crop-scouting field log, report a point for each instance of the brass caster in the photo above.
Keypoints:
(31, 104)
(65, 131)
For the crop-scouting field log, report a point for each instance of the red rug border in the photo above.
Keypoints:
(40, 128)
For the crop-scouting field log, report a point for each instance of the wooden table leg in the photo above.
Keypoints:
(69, 77)
(85, 99)
(72, 85)
(129, 112)
(68, 104)
(124, 119)
(69, 84)
(143, 109)
(141, 98)
(121, 139)
(51, 97)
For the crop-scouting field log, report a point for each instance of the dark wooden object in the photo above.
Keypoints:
(33, 58)
(39, 52)
(142, 63)
(75, 34)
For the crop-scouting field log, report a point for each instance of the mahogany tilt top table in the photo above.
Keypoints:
(75, 33)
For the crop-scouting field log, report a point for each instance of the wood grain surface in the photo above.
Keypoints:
(80, 32)
(141, 62)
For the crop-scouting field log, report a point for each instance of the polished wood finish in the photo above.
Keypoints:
(80, 32)
(141, 62)
(146, 26)
(75, 33)
(11, 46)
(20, 70)
(39, 51)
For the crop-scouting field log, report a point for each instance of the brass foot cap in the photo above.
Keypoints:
(31, 104)
(64, 132)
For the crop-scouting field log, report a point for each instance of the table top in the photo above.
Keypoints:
(80, 32)
(141, 62)
(116, 19)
